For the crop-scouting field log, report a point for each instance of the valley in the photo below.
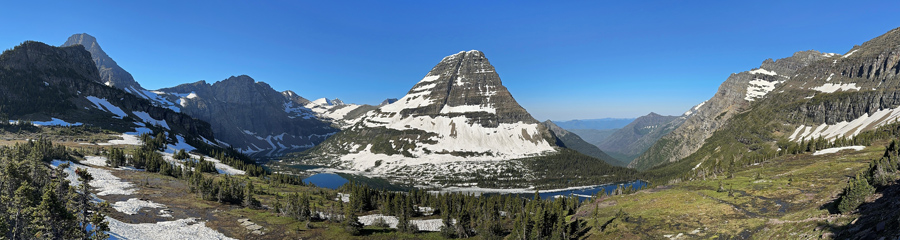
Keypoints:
(327, 135)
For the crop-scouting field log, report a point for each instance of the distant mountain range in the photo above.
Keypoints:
(631, 141)
(599, 124)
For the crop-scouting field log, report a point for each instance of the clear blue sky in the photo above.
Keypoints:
(561, 61)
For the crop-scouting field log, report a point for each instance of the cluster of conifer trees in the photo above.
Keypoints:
(881, 172)
(37, 202)
(467, 215)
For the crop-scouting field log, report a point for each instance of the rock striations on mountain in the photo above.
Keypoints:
(458, 114)
(251, 116)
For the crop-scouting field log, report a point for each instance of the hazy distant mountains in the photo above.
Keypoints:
(600, 124)
(630, 141)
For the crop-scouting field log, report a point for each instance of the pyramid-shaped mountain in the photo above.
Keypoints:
(459, 119)
(459, 111)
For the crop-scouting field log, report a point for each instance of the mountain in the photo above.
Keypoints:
(835, 101)
(632, 140)
(593, 136)
(572, 141)
(63, 86)
(340, 114)
(734, 97)
(110, 72)
(387, 101)
(247, 115)
(602, 123)
(251, 116)
(458, 125)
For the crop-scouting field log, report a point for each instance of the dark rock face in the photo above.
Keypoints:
(110, 72)
(734, 96)
(46, 81)
(632, 140)
(569, 140)
(251, 116)
(459, 111)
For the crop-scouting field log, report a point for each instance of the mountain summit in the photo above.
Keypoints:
(458, 114)
(110, 72)
(459, 111)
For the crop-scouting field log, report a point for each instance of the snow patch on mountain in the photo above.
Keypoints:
(103, 104)
(844, 128)
(150, 120)
(757, 88)
(832, 87)
(837, 149)
(467, 108)
(763, 71)
(694, 109)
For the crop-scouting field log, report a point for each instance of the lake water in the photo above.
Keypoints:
(586, 193)
(326, 180)
(334, 181)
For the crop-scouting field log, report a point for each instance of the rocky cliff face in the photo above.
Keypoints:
(632, 140)
(251, 116)
(458, 113)
(110, 72)
(834, 97)
(734, 96)
(40, 82)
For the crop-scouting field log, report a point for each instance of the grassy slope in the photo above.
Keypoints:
(792, 196)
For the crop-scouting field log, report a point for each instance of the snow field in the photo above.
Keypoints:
(763, 71)
(758, 88)
(831, 87)
(429, 225)
(52, 122)
(187, 229)
(147, 119)
(103, 104)
(109, 185)
(104, 181)
(846, 129)
(133, 206)
(837, 149)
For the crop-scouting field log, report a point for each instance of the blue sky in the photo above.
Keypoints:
(561, 61)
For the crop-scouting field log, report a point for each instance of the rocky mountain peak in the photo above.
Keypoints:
(462, 84)
(110, 72)
(736, 94)
(459, 112)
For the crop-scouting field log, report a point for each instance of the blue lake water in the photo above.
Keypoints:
(326, 180)
(585, 193)
(334, 181)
